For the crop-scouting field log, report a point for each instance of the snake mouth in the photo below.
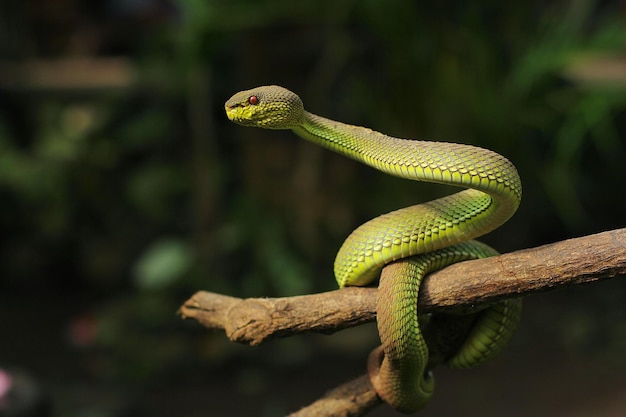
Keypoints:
(243, 115)
(231, 112)
(235, 114)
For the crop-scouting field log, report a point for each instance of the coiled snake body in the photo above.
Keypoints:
(408, 243)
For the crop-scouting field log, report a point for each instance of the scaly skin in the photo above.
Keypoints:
(410, 242)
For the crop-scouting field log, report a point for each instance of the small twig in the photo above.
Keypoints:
(354, 398)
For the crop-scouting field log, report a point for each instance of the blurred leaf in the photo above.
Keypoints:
(153, 189)
(289, 274)
(162, 264)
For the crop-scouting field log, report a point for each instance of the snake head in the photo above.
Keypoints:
(269, 107)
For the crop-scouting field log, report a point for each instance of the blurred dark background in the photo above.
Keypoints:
(124, 190)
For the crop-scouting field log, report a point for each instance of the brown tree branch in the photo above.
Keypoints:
(354, 398)
(465, 284)
(253, 320)
(471, 283)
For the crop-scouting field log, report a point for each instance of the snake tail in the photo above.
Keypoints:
(400, 376)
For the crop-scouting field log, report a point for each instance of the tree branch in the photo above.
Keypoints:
(354, 398)
(464, 284)
(459, 286)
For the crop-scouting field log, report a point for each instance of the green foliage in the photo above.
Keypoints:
(146, 193)
(162, 264)
(114, 173)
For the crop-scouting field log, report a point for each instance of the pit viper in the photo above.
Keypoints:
(408, 243)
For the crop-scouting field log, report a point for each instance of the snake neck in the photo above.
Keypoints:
(351, 141)
(439, 162)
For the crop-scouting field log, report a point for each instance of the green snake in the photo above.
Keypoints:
(409, 243)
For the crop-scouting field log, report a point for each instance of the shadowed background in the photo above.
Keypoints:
(124, 189)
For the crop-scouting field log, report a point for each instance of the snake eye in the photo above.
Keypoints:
(254, 100)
